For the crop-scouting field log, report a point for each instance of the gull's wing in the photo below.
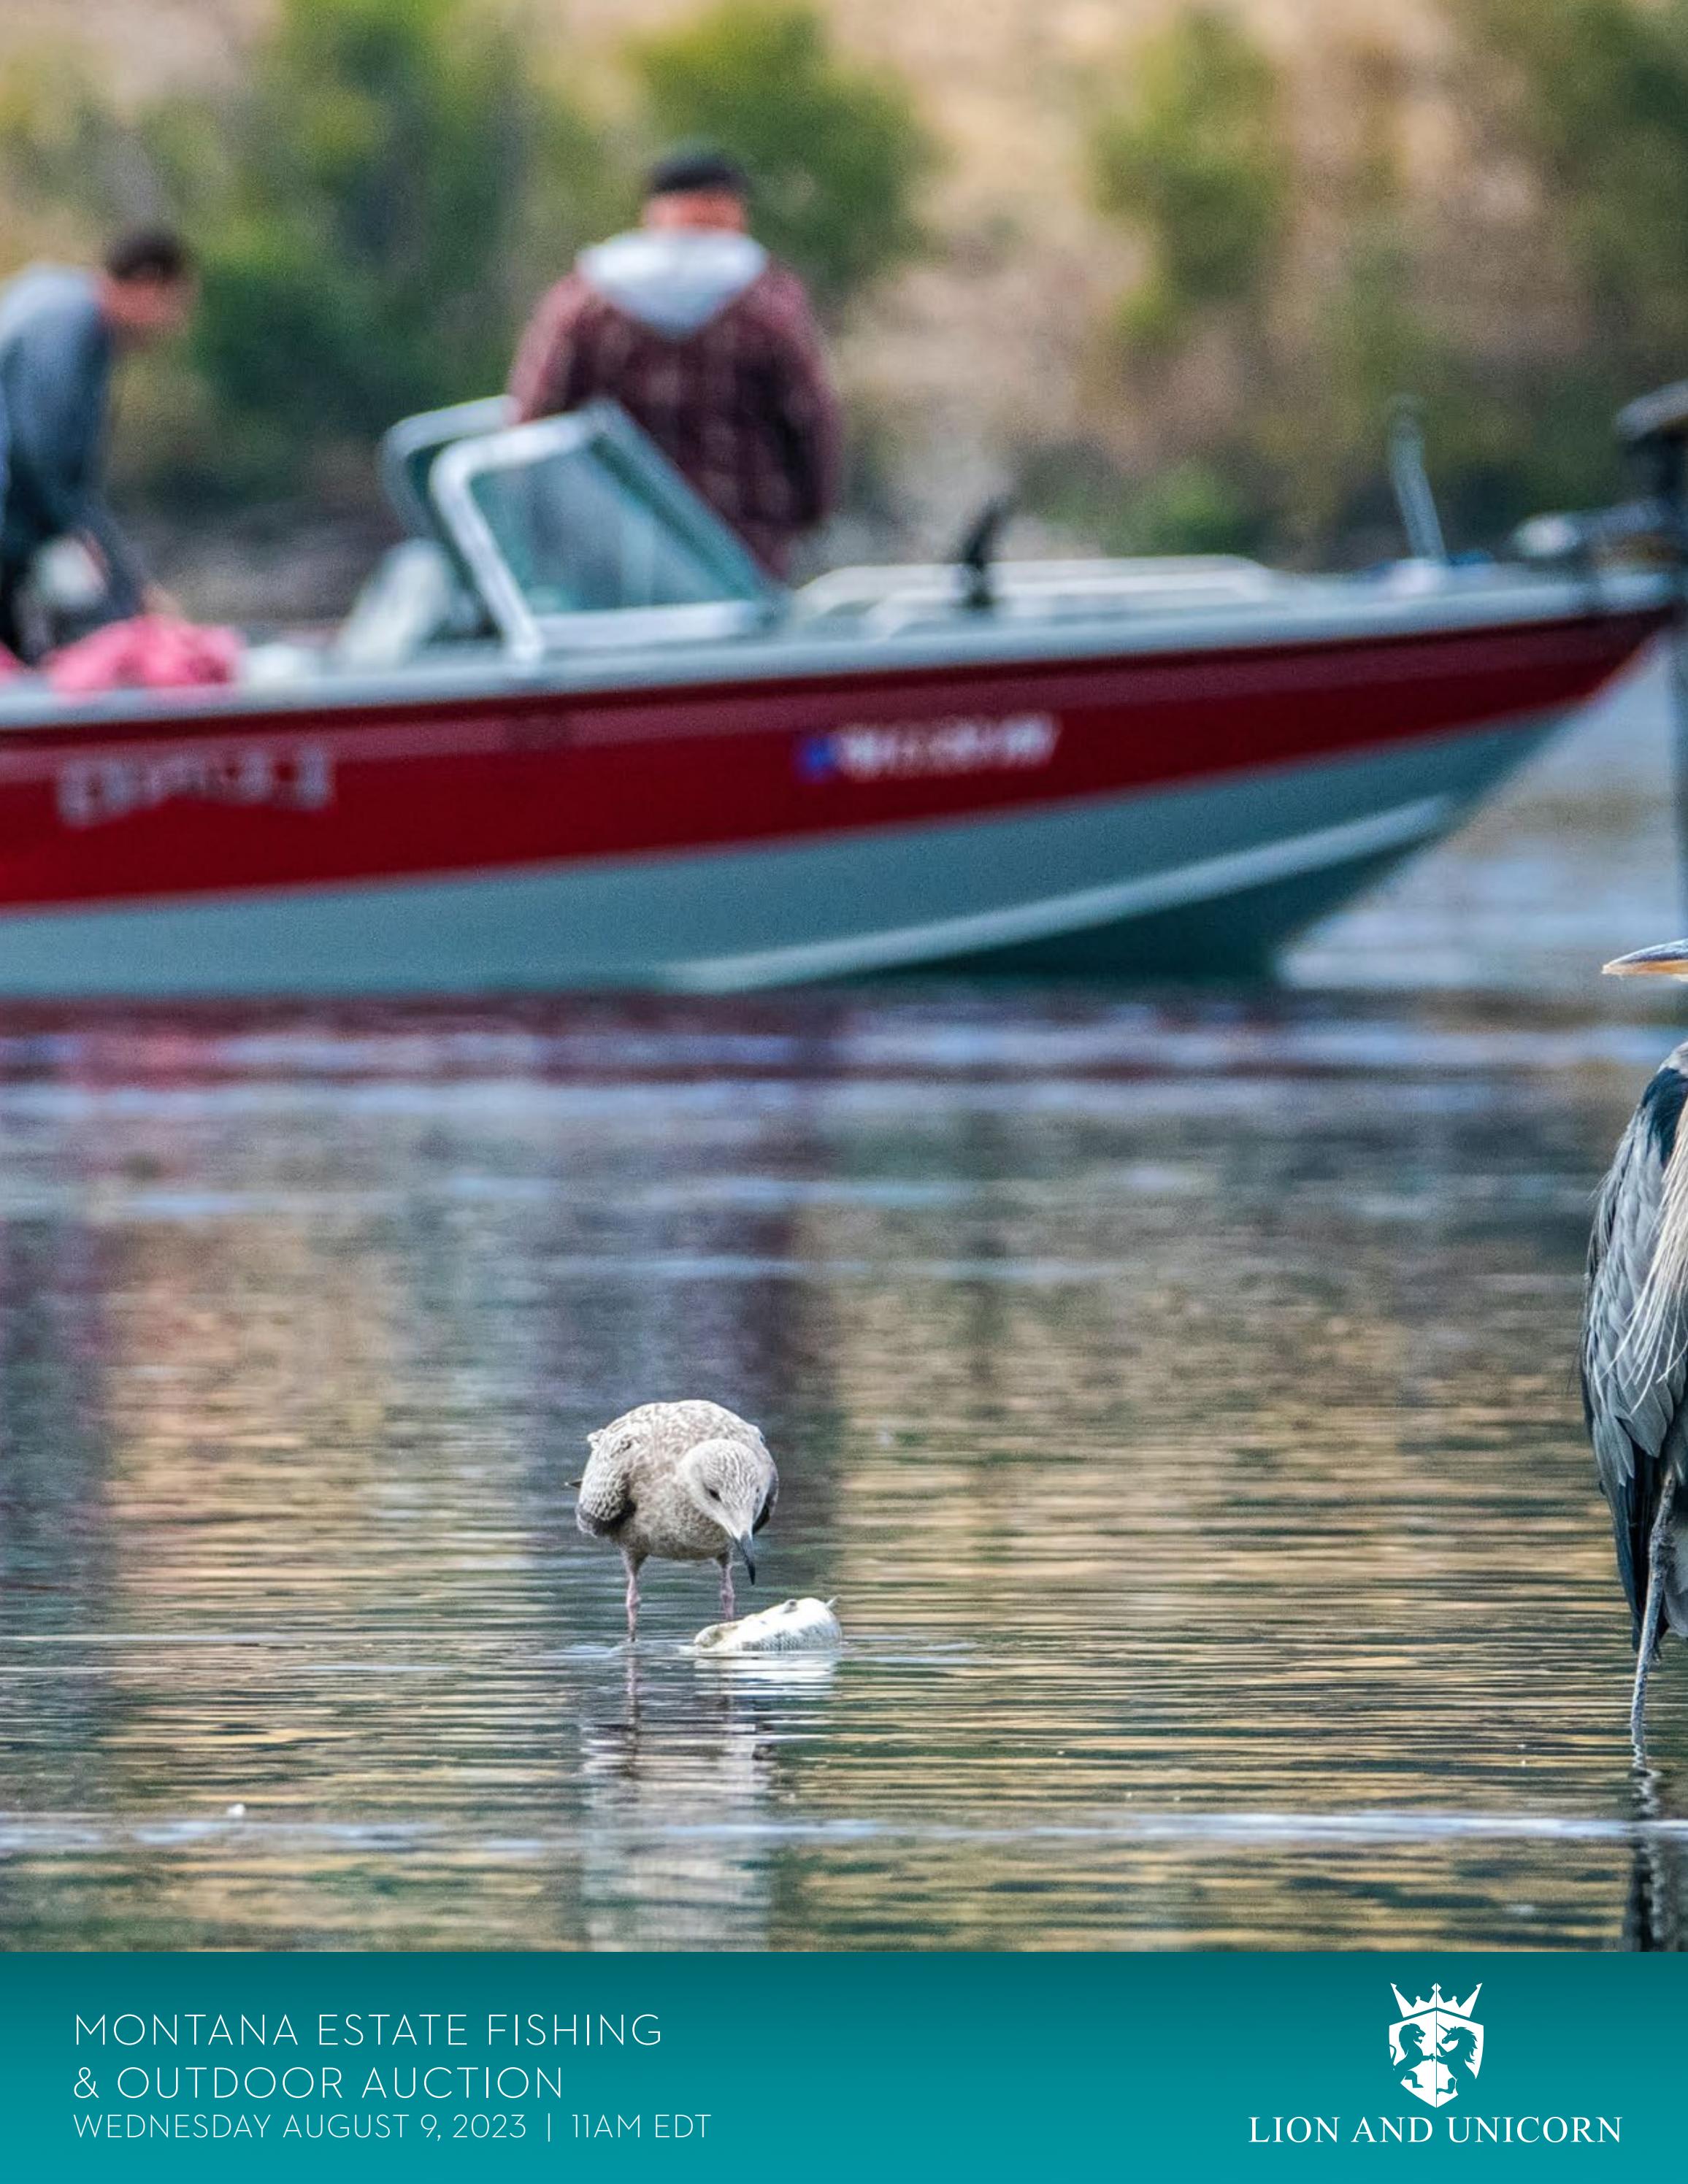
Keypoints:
(605, 1501)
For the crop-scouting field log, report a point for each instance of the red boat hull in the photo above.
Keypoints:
(241, 803)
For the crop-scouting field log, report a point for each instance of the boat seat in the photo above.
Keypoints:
(411, 599)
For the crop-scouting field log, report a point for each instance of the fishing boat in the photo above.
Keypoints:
(573, 737)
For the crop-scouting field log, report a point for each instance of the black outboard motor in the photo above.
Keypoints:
(1654, 428)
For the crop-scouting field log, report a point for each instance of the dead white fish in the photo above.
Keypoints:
(795, 1626)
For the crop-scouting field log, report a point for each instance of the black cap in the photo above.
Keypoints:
(696, 167)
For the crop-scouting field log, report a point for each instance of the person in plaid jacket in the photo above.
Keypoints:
(708, 344)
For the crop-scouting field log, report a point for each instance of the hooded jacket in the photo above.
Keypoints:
(710, 346)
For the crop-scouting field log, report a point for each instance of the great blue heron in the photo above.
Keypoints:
(1634, 1357)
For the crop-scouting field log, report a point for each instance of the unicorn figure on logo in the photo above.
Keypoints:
(1436, 2031)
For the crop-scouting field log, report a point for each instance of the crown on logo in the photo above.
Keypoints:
(1437, 2001)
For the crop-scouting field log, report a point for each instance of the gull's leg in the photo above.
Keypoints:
(633, 1595)
(1658, 1546)
(727, 1588)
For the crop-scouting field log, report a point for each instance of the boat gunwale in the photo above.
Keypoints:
(799, 659)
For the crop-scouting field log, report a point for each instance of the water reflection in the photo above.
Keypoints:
(1173, 1394)
(676, 1787)
(1653, 1914)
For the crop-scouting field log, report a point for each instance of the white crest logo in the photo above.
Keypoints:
(1429, 2034)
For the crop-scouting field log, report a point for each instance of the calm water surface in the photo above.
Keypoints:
(1174, 1393)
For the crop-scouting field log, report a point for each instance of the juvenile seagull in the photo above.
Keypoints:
(685, 1482)
(1634, 1360)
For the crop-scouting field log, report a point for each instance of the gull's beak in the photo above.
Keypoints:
(744, 1550)
(1670, 959)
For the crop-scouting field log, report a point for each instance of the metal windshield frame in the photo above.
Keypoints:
(529, 635)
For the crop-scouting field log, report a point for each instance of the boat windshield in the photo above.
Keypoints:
(577, 530)
(409, 449)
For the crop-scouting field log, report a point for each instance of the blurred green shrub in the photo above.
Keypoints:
(837, 152)
(1209, 504)
(1317, 292)
(1594, 95)
(65, 159)
(1197, 159)
(1195, 507)
(374, 208)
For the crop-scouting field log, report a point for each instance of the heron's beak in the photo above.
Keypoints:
(750, 1562)
(1670, 959)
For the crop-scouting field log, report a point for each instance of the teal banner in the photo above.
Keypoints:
(823, 2067)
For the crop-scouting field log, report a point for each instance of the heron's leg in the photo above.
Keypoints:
(727, 1588)
(1658, 1547)
(633, 1595)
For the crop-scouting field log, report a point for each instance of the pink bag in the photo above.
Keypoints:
(148, 652)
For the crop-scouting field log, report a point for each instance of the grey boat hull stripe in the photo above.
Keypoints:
(1203, 881)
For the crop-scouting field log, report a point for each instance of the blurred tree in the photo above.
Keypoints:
(1198, 161)
(374, 210)
(837, 152)
(1302, 285)
(66, 160)
(1594, 95)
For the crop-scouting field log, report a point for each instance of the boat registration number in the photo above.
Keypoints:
(920, 750)
(92, 791)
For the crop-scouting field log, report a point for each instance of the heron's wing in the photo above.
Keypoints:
(1634, 1353)
(605, 1501)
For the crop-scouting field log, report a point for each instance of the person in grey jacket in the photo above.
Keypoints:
(61, 330)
